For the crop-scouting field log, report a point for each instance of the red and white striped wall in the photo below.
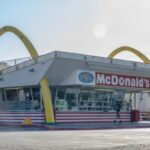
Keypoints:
(39, 117)
(90, 116)
(145, 116)
(18, 117)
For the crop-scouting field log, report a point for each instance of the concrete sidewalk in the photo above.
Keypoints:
(81, 126)
(92, 126)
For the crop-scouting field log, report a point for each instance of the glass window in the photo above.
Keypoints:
(85, 95)
(61, 94)
(127, 102)
(12, 99)
(3, 104)
(2, 97)
(28, 94)
(36, 98)
(118, 98)
(93, 95)
(36, 93)
(11, 95)
(21, 95)
(60, 102)
(73, 99)
(21, 98)
(100, 95)
(70, 98)
(67, 99)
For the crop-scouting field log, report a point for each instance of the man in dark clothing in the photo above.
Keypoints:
(118, 108)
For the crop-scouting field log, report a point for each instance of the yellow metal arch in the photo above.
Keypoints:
(22, 37)
(47, 100)
(130, 49)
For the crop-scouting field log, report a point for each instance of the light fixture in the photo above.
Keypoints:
(31, 70)
(1, 78)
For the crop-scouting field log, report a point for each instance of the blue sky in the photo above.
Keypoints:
(68, 25)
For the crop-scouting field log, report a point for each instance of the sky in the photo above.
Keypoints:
(94, 27)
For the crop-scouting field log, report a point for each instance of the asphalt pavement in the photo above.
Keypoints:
(23, 138)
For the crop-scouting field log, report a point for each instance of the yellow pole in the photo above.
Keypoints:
(47, 99)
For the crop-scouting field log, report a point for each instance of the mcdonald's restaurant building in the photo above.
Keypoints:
(83, 89)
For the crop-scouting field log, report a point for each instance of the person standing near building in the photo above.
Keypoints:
(118, 109)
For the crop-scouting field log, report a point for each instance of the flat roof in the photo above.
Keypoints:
(76, 56)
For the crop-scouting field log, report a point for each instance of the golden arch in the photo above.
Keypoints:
(130, 49)
(22, 37)
(47, 100)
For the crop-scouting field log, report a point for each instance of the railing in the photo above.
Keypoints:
(12, 65)
(13, 62)
(16, 106)
(145, 115)
(27, 63)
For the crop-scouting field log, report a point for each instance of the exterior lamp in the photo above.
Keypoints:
(1, 78)
(31, 70)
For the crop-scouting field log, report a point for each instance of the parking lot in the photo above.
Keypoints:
(14, 138)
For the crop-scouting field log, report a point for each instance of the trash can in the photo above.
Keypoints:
(135, 115)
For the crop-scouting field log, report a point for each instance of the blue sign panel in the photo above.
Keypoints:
(86, 77)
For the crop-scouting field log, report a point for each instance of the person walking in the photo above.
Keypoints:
(118, 109)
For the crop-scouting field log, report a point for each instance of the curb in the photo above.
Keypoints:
(54, 128)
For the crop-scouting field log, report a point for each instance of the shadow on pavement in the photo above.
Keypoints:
(74, 126)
